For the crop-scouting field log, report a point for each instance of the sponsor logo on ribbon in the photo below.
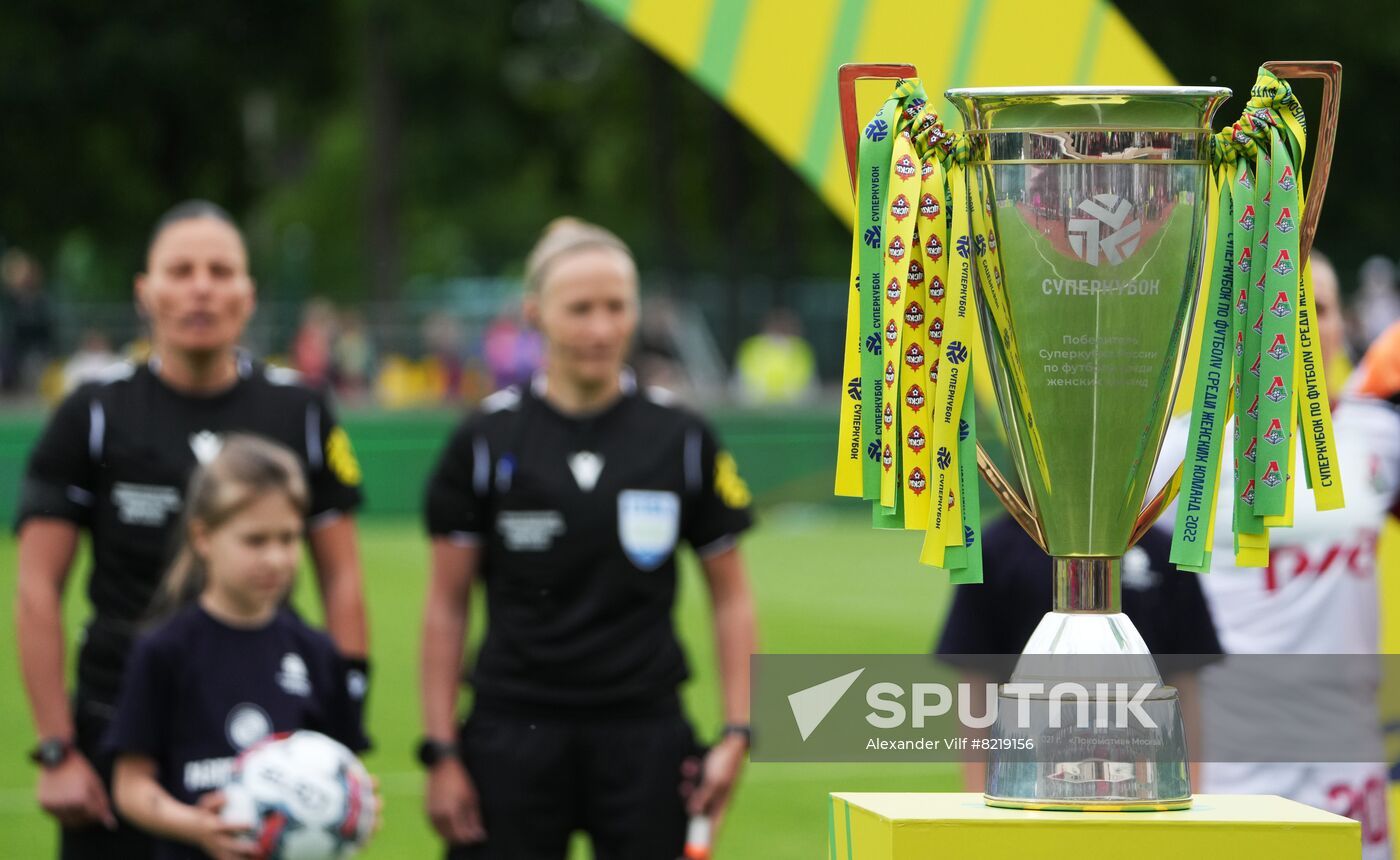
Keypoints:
(899, 208)
(914, 398)
(933, 249)
(917, 481)
(916, 273)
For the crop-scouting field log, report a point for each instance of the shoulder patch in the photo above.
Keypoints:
(661, 396)
(505, 399)
(281, 375)
(731, 489)
(115, 372)
(340, 457)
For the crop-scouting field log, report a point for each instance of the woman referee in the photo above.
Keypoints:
(114, 461)
(567, 498)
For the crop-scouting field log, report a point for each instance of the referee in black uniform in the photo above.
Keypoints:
(568, 498)
(114, 461)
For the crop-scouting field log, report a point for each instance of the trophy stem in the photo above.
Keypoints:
(1088, 584)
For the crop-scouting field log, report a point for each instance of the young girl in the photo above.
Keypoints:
(232, 664)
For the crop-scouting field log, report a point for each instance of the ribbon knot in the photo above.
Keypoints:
(1270, 92)
(1223, 149)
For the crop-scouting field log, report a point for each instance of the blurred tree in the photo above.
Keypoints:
(1226, 43)
(377, 148)
(112, 116)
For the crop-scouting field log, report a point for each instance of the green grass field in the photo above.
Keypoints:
(818, 589)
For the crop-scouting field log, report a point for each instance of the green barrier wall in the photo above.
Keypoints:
(784, 457)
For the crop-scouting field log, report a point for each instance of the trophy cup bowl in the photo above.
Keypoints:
(1097, 199)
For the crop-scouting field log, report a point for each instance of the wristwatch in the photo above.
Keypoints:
(431, 751)
(51, 752)
(741, 729)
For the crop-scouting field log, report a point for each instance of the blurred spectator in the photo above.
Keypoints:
(93, 358)
(1318, 595)
(513, 351)
(26, 323)
(656, 358)
(1377, 302)
(311, 349)
(776, 365)
(353, 356)
(138, 350)
(443, 336)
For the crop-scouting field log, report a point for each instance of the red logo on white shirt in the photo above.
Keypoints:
(1356, 558)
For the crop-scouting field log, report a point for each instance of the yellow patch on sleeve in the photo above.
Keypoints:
(340, 457)
(728, 485)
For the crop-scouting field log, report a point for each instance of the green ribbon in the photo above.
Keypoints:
(1275, 437)
(1215, 378)
(876, 143)
(1259, 288)
(964, 563)
(1247, 342)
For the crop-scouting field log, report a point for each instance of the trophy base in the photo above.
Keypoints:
(1101, 733)
(1104, 806)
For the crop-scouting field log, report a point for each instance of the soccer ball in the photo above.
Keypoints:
(304, 796)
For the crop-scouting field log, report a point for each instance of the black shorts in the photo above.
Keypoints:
(615, 778)
(95, 842)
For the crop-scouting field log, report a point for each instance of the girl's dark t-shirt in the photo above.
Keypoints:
(198, 692)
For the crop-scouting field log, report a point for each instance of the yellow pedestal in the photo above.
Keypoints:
(1241, 827)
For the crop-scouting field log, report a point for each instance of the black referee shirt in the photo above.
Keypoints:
(578, 520)
(998, 617)
(115, 459)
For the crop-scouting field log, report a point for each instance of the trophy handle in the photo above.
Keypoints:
(1330, 73)
(1010, 499)
(846, 79)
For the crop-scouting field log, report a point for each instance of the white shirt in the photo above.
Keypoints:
(1318, 595)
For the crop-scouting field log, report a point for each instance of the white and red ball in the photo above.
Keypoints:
(304, 796)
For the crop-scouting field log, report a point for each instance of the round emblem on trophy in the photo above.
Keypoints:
(1107, 230)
